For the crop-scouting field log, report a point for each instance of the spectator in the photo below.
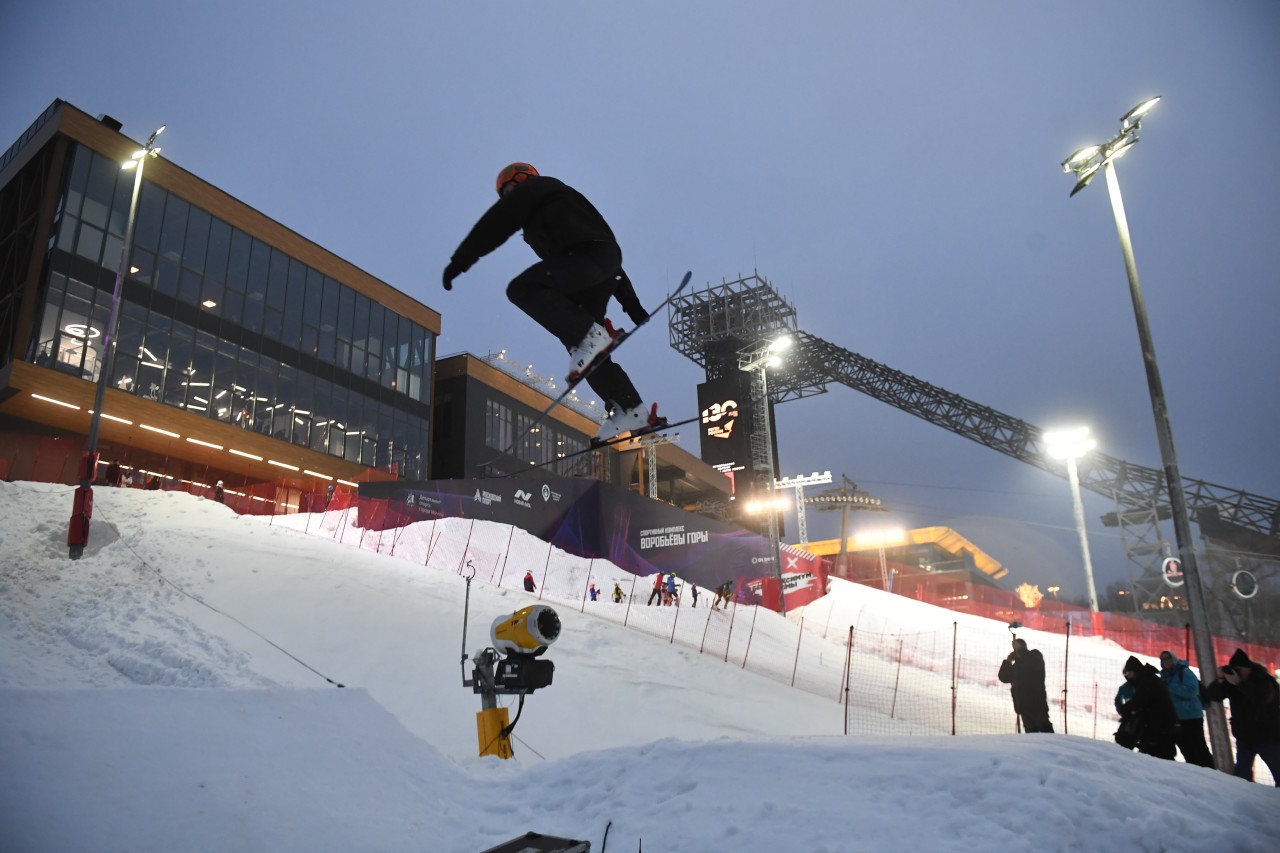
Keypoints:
(1023, 671)
(1255, 712)
(592, 591)
(723, 593)
(219, 493)
(617, 593)
(657, 591)
(1184, 691)
(671, 587)
(153, 483)
(529, 585)
(693, 592)
(1149, 713)
(113, 474)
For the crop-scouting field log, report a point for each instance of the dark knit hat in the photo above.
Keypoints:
(1132, 665)
(1241, 659)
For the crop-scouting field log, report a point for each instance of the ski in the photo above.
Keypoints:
(601, 445)
(622, 337)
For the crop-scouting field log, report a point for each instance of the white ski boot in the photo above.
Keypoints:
(640, 419)
(597, 340)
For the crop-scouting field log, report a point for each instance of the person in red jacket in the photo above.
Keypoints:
(657, 591)
(567, 291)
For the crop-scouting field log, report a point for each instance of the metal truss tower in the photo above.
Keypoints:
(712, 326)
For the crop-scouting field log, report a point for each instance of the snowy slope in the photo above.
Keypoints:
(174, 690)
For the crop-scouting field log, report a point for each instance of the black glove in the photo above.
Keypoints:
(637, 314)
(452, 271)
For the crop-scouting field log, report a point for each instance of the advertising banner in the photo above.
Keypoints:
(725, 426)
(584, 517)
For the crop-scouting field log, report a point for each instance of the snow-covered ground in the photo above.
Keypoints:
(175, 690)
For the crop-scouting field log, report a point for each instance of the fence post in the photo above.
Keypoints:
(897, 677)
(954, 682)
(590, 565)
(729, 639)
(466, 547)
(1066, 673)
(796, 663)
(1095, 710)
(630, 598)
(750, 634)
(506, 554)
(675, 620)
(546, 567)
(844, 676)
(705, 627)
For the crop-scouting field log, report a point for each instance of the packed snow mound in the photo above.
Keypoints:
(174, 689)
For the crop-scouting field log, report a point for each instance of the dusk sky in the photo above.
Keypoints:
(892, 168)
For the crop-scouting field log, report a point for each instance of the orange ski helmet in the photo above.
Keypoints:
(514, 174)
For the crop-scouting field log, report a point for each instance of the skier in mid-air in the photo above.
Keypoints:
(568, 290)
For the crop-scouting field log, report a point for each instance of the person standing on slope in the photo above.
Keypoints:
(568, 290)
(1023, 671)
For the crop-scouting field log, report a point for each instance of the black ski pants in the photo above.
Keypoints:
(1189, 738)
(565, 294)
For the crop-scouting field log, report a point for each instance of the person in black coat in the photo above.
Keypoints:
(1149, 712)
(568, 290)
(1023, 671)
(1255, 712)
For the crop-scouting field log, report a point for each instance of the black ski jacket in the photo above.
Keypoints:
(553, 215)
(1255, 705)
(554, 218)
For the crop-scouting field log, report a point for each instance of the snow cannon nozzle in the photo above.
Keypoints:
(528, 631)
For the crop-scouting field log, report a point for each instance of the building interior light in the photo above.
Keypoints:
(283, 465)
(316, 474)
(348, 483)
(204, 443)
(161, 431)
(114, 418)
(252, 456)
(209, 303)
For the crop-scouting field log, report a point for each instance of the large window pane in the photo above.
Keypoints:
(146, 231)
(238, 260)
(197, 242)
(99, 191)
(174, 230)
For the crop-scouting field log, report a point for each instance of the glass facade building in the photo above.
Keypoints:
(222, 324)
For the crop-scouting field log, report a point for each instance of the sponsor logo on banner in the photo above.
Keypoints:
(523, 498)
(666, 537)
(726, 411)
(549, 495)
(487, 498)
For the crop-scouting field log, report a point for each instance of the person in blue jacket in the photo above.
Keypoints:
(1184, 690)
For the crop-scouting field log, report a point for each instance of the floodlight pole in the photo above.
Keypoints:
(82, 511)
(1197, 613)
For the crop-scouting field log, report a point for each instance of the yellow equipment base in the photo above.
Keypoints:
(489, 725)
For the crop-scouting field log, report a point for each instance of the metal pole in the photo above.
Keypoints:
(1074, 476)
(88, 470)
(772, 509)
(1199, 618)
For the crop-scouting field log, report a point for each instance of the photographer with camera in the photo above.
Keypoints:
(1255, 712)
(1023, 671)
